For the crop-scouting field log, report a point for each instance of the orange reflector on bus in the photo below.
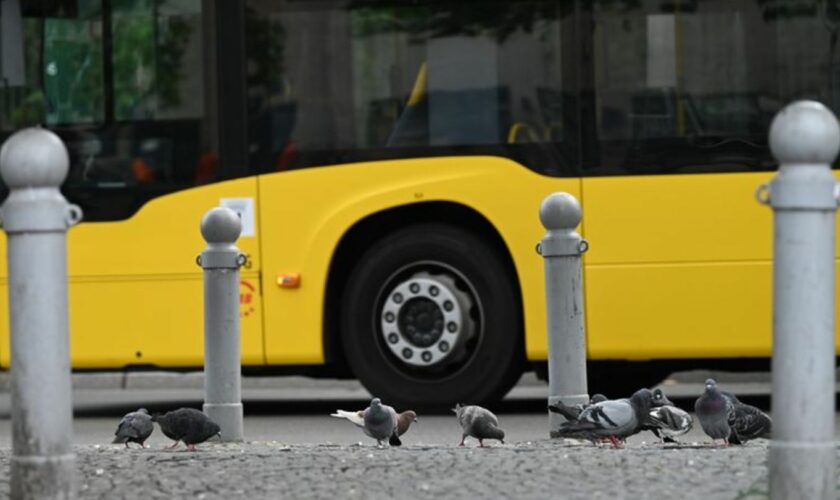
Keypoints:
(290, 280)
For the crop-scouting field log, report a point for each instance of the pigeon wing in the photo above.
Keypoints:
(670, 420)
(607, 418)
(357, 418)
(748, 422)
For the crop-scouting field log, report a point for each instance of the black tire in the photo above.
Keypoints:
(492, 359)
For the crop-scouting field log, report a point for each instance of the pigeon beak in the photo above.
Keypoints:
(416, 419)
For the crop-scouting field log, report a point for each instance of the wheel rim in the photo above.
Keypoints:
(428, 320)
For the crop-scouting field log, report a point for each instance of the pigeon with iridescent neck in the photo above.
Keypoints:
(380, 422)
(713, 410)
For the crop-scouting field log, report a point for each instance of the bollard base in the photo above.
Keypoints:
(555, 419)
(229, 416)
(801, 470)
(52, 477)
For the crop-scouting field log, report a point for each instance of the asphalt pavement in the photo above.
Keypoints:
(294, 449)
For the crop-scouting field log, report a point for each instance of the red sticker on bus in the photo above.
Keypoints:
(246, 298)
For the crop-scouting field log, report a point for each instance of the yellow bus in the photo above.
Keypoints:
(388, 159)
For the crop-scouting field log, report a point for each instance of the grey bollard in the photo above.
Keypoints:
(35, 216)
(561, 249)
(222, 365)
(804, 139)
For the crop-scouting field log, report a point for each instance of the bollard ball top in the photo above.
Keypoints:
(221, 225)
(33, 157)
(560, 211)
(805, 132)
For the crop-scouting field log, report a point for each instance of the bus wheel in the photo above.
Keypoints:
(431, 317)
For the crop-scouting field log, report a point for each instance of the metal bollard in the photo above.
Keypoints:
(222, 365)
(804, 139)
(561, 248)
(35, 216)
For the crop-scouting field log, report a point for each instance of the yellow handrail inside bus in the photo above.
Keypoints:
(517, 127)
(418, 92)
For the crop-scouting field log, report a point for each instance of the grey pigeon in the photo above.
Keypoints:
(668, 422)
(613, 419)
(572, 412)
(713, 410)
(404, 419)
(135, 427)
(746, 421)
(188, 425)
(380, 422)
(479, 423)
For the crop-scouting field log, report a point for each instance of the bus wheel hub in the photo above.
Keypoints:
(425, 319)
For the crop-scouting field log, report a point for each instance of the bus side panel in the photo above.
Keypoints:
(679, 311)
(136, 292)
(681, 262)
(306, 213)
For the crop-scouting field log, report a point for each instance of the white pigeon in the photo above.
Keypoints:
(668, 422)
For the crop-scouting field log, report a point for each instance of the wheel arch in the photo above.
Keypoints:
(366, 231)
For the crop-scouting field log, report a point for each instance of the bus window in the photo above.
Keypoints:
(124, 88)
(391, 80)
(692, 86)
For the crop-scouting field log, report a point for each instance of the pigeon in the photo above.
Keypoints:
(479, 423)
(135, 427)
(378, 421)
(188, 425)
(613, 419)
(746, 421)
(668, 422)
(572, 412)
(404, 419)
(713, 410)
(660, 399)
(650, 424)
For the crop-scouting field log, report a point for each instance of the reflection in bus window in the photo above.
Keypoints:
(687, 86)
(414, 79)
(124, 87)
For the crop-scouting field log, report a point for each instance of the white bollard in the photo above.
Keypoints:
(561, 249)
(35, 216)
(222, 365)
(804, 139)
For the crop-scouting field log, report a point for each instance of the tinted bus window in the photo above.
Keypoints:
(122, 83)
(342, 81)
(691, 86)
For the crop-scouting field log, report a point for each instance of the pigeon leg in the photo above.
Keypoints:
(616, 442)
(126, 445)
(173, 445)
(463, 437)
(191, 447)
(481, 443)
